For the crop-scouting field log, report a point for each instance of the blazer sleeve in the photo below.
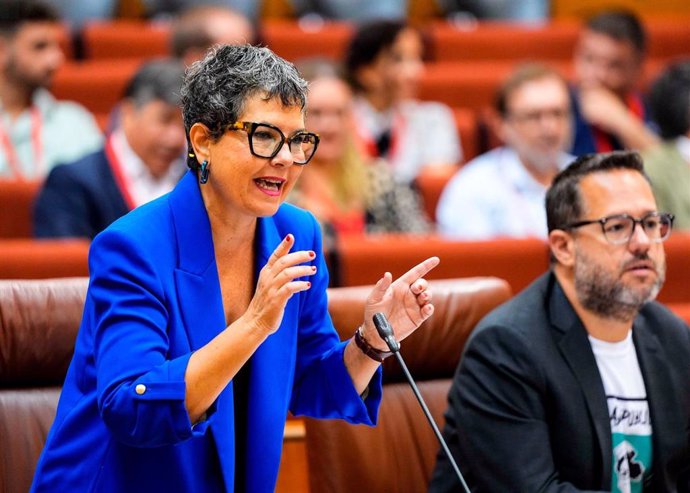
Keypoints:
(496, 421)
(140, 386)
(323, 387)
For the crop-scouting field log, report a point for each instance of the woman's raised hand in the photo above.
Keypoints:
(405, 302)
(277, 284)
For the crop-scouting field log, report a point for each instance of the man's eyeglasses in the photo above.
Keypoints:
(619, 229)
(266, 140)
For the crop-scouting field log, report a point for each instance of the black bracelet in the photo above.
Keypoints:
(370, 351)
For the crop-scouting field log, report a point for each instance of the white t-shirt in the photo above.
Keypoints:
(631, 426)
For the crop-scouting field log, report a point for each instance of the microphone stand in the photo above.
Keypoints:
(385, 331)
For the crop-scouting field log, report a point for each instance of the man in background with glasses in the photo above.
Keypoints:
(581, 382)
(501, 193)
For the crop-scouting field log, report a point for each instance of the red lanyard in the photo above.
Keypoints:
(602, 141)
(36, 144)
(119, 174)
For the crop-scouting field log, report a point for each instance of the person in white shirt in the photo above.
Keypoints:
(501, 193)
(384, 63)
(142, 159)
(36, 131)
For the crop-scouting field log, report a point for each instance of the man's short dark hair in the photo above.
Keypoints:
(157, 80)
(621, 26)
(563, 200)
(669, 100)
(14, 13)
(525, 73)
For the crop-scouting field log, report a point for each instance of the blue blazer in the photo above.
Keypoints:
(154, 297)
(79, 199)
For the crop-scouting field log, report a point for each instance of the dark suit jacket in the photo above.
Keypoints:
(78, 200)
(527, 407)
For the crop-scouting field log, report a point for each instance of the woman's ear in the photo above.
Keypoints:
(200, 138)
(562, 247)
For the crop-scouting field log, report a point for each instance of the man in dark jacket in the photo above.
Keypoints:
(141, 160)
(581, 382)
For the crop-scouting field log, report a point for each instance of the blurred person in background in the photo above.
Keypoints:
(142, 159)
(668, 164)
(351, 10)
(347, 191)
(384, 63)
(162, 9)
(36, 131)
(501, 193)
(200, 27)
(610, 113)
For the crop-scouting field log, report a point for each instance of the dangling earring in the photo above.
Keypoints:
(203, 172)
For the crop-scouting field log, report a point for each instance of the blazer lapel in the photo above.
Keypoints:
(661, 397)
(577, 351)
(201, 301)
(269, 389)
(196, 275)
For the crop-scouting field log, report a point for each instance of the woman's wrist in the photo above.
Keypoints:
(372, 352)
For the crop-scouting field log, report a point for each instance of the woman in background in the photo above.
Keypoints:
(347, 191)
(384, 65)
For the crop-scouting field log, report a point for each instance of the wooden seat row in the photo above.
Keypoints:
(362, 260)
(450, 41)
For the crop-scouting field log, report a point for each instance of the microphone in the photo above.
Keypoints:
(383, 327)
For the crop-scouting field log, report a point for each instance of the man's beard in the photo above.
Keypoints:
(30, 82)
(608, 296)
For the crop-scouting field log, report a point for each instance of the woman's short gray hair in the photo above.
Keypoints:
(216, 88)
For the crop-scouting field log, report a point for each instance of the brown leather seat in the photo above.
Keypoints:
(399, 454)
(39, 320)
(38, 325)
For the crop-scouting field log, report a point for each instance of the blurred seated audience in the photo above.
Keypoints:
(77, 12)
(351, 10)
(348, 192)
(141, 160)
(501, 193)
(384, 65)
(36, 131)
(528, 11)
(199, 28)
(171, 8)
(610, 113)
(668, 164)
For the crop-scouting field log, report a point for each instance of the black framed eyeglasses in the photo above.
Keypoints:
(618, 229)
(266, 140)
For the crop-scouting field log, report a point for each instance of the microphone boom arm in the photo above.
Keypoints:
(385, 331)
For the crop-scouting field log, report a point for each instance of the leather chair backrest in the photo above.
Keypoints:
(38, 326)
(398, 455)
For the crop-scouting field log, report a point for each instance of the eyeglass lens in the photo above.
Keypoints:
(619, 229)
(266, 142)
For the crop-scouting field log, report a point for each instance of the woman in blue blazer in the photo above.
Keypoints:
(206, 316)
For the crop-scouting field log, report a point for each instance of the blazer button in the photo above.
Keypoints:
(140, 389)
